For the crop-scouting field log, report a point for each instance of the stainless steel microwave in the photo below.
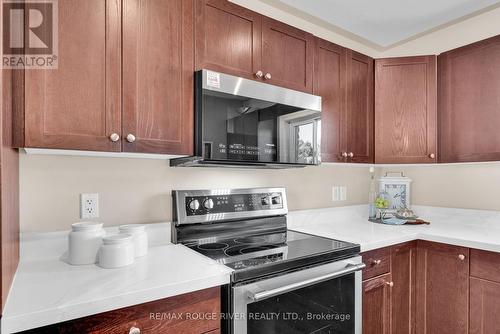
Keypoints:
(241, 122)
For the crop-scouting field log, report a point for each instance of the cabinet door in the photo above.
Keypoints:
(329, 83)
(228, 38)
(78, 105)
(287, 55)
(469, 102)
(442, 289)
(484, 306)
(359, 108)
(377, 305)
(158, 64)
(403, 260)
(405, 110)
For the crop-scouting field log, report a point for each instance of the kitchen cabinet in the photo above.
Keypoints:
(469, 102)
(344, 80)
(377, 295)
(484, 306)
(237, 41)
(158, 76)
(79, 105)
(405, 110)
(442, 292)
(194, 313)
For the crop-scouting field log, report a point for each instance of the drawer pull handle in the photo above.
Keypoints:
(259, 74)
(390, 284)
(461, 257)
(134, 330)
(376, 262)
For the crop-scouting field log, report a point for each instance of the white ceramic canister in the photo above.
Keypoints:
(116, 251)
(140, 237)
(84, 241)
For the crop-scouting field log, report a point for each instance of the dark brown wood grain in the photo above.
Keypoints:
(403, 270)
(485, 265)
(442, 289)
(158, 85)
(377, 261)
(9, 189)
(287, 54)
(468, 102)
(405, 110)
(330, 84)
(151, 318)
(377, 305)
(484, 306)
(227, 38)
(360, 108)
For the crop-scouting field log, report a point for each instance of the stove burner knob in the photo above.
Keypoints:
(276, 199)
(194, 205)
(208, 204)
(265, 200)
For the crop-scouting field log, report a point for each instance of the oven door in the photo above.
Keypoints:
(322, 299)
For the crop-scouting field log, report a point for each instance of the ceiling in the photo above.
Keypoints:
(388, 22)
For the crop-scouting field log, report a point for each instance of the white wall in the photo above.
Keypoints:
(138, 190)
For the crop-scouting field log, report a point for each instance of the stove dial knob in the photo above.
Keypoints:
(265, 200)
(194, 204)
(276, 200)
(208, 204)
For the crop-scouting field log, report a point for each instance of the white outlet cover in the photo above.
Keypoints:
(89, 205)
(339, 193)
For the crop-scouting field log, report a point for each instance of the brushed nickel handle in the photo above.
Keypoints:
(344, 154)
(461, 257)
(376, 262)
(432, 155)
(114, 137)
(351, 155)
(134, 330)
(130, 138)
(259, 74)
(268, 76)
(390, 284)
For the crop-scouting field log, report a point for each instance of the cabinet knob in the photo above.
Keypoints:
(114, 137)
(259, 74)
(130, 138)
(268, 76)
(376, 262)
(461, 257)
(344, 154)
(432, 155)
(390, 284)
(134, 330)
(351, 155)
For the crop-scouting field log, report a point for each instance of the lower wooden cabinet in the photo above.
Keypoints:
(484, 306)
(191, 313)
(377, 296)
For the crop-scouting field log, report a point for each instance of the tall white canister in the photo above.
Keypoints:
(85, 239)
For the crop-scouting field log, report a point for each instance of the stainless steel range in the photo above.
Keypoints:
(283, 281)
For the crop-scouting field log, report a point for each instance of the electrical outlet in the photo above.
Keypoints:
(89, 206)
(339, 193)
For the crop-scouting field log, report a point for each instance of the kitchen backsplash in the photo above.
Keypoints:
(138, 190)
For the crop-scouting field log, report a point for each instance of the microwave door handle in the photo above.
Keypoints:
(258, 296)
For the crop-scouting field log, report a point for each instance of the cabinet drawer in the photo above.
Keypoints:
(377, 262)
(485, 265)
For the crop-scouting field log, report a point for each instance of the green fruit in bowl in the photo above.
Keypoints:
(381, 203)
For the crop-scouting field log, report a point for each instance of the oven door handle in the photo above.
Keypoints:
(258, 296)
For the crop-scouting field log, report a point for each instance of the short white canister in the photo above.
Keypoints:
(116, 251)
(140, 237)
(84, 241)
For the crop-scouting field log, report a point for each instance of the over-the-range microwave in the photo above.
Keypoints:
(241, 122)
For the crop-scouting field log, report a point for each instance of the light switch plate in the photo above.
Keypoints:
(89, 206)
(339, 193)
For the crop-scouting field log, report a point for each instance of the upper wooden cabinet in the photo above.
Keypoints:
(405, 110)
(442, 299)
(469, 103)
(344, 80)
(79, 105)
(158, 76)
(237, 41)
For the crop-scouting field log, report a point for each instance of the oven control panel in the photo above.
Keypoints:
(230, 203)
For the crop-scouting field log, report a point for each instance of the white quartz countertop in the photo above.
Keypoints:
(462, 227)
(47, 290)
